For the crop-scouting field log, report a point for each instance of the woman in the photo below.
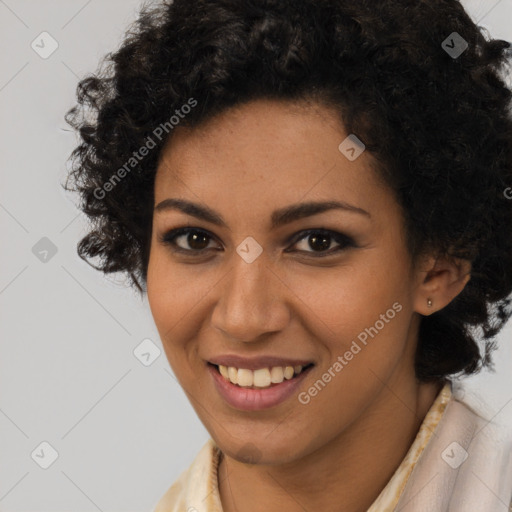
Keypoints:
(313, 196)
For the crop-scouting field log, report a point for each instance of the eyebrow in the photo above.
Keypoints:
(279, 217)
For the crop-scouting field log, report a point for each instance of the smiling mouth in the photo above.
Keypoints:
(262, 378)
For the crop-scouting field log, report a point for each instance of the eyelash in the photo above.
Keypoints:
(344, 241)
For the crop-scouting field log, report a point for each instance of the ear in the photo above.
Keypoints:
(439, 279)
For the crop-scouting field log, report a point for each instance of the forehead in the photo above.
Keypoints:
(266, 153)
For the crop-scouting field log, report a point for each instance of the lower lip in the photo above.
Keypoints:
(248, 399)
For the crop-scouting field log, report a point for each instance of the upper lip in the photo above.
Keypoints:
(255, 363)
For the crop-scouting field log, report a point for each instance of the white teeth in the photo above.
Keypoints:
(261, 378)
(245, 377)
(233, 375)
(288, 372)
(276, 374)
(224, 371)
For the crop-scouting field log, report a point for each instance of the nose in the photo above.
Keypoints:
(252, 302)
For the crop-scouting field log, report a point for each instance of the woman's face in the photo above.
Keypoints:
(249, 282)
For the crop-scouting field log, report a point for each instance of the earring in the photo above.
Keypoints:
(429, 303)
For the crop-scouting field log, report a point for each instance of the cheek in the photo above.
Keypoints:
(359, 310)
(351, 297)
(167, 308)
(176, 296)
(170, 288)
(157, 286)
(167, 295)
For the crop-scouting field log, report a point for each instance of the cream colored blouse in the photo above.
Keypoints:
(450, 472)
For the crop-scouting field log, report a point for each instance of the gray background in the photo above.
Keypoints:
(68, 375)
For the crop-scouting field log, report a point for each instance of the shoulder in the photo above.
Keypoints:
(466, 466)
(484, 472)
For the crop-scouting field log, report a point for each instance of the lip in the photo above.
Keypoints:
(255, 363)
(248, 399)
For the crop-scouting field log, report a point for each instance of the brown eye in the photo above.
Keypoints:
(319, 243)
(187, 240)
(196, 240)
(320, 240)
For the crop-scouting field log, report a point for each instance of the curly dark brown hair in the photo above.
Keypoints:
(438, 123)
